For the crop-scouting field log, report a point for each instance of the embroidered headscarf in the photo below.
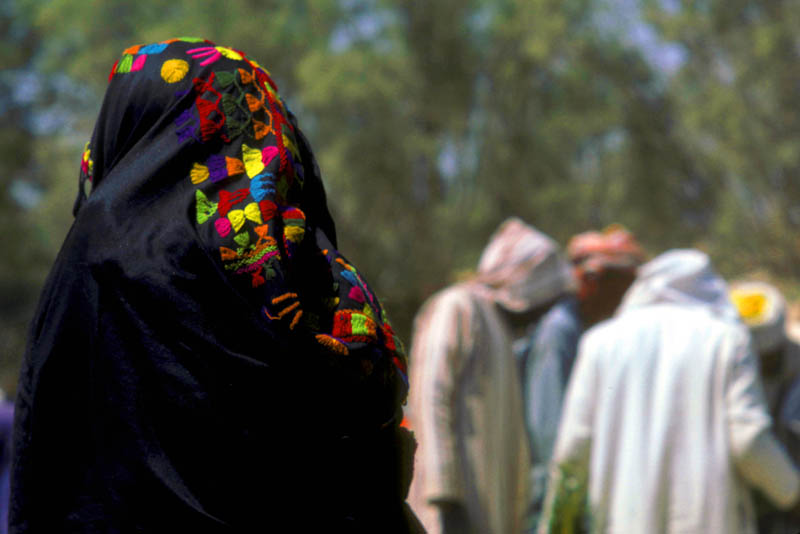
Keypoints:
(203, 357)
(209, 120)
(522, 268)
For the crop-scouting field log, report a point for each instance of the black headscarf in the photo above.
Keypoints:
(202, 358)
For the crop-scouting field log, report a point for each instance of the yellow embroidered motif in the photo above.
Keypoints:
(253, 212)
(237, 218)
(174, 70)
(252, 161)
(229, 53)
(199, 173)
(294, 233)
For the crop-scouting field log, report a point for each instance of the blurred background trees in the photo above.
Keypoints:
(433, 121)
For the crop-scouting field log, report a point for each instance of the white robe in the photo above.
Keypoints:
(465, 408)
(666, 423)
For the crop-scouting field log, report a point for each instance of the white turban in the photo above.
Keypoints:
(681, 276)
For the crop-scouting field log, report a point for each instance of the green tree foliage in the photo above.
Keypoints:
(735, 100)
(23, 258)
(433, 121)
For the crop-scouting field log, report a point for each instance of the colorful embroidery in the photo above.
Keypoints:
(134, 58)
(268, 154)
(131, 50)
(228, 200)
(205, 208)
(253, 162)
(188, 127)
(356, 294)
(351, 275)
(268, 209)
(237, 114)
(333, 344)
(199, 173)
(223, 227)
(217, 168)
(235, 166)
(263, 186)
(253, 212)
(211, 117)
(213, 53)
(292, 306)
(351, 325)
(367, 310)
(294, 221)
(237, 219)
(87, 164)
(242, 239)
(153, 49)
(125, 64)
(251, 258)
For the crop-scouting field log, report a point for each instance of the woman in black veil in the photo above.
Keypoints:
(203, 359)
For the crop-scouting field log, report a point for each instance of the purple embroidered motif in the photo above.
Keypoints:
(217, 168)
(188, 132)
(184, 117)
(187, 126)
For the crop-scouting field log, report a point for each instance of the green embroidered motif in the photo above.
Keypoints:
(242, 239)
(125, 64)
(225, 78)
(205, 208)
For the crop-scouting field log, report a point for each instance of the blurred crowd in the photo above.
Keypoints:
(594, 389)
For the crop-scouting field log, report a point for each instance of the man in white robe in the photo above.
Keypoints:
(665, 427)
(465, 407)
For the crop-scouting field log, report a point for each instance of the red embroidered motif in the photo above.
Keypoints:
(268, 209)
(228, 200)
(206, 108)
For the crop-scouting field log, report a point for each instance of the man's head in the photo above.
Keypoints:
(604, 264)
(523, 269)
(683, 277)
(763, 309)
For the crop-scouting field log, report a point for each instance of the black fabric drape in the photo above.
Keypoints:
(202, 358)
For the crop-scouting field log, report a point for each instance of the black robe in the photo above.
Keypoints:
(202, 358)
